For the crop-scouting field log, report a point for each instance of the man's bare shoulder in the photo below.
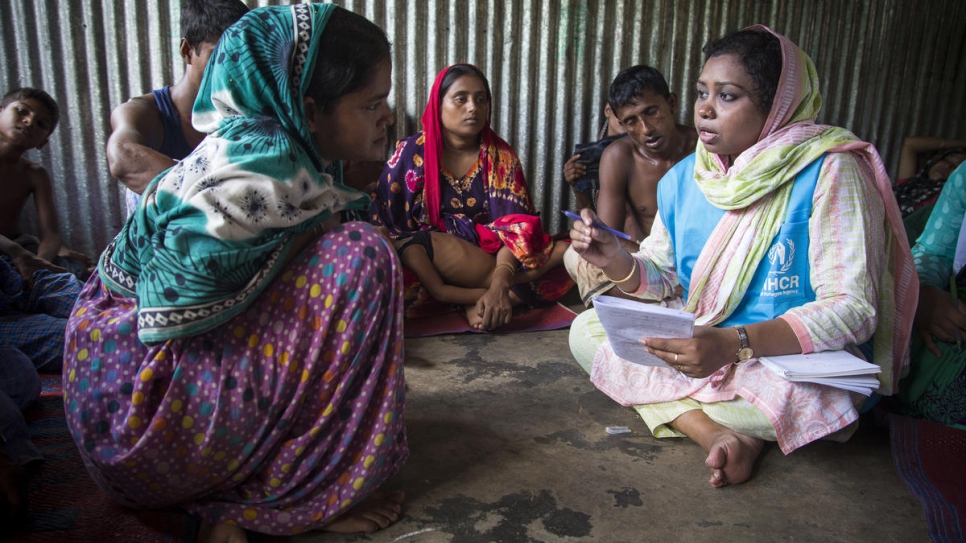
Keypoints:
(616, 164)
(141, 111)
(619, 151)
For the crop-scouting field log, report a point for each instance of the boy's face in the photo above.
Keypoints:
(26, 123)
(649, 120)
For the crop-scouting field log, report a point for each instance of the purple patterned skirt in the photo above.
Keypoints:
(278, 421)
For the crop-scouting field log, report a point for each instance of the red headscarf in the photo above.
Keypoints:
(433, 146)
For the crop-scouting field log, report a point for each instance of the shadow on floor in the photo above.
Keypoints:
(508, 445)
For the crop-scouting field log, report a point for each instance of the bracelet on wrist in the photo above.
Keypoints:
(509, 267)
(629, 275)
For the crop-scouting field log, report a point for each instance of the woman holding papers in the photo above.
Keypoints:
(935, 388)
(785, 238)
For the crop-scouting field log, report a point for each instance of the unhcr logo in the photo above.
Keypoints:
(781, 255)
(781, 283)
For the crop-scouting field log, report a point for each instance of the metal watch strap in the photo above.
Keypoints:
(744, 351)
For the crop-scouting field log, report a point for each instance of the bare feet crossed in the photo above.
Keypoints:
(732, 457)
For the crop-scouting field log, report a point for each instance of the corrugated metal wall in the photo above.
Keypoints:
(889, 68)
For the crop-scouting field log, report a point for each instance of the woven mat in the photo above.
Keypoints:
(929, 457)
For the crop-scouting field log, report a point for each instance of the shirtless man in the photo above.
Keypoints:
(631, 167)
(151, 132)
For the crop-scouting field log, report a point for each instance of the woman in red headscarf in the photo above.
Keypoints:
(454, 198)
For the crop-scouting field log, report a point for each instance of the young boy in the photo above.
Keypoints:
(631, 166)
(34, 302)
(27, 118)
(152, 131)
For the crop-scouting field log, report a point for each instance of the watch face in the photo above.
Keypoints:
(745, 354)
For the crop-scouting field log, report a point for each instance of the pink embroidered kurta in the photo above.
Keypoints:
(860, 266)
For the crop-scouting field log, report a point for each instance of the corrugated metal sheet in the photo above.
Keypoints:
(889, 68)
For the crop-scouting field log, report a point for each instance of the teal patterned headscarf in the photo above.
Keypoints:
(213, 231)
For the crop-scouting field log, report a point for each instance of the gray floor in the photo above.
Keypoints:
(508, 445)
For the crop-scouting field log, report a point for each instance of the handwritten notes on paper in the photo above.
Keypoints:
(627, 321)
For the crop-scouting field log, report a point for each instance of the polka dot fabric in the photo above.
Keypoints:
(278, 421)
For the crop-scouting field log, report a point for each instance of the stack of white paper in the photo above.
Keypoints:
(627, 321)
(839, 369)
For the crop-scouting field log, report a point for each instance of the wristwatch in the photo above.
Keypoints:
(744, 350)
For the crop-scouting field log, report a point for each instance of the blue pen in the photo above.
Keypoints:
(597, 224)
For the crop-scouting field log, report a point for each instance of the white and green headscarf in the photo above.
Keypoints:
(211, 232)
(755, 191)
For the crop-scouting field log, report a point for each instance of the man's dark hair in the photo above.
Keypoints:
(206, 20)
(350, 48)
(760, 53)
(632, 82)
(45, 99)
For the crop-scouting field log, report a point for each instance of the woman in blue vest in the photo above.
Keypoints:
(785, 239)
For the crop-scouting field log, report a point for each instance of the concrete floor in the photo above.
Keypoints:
(508, 445)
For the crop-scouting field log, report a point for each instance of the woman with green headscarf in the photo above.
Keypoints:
(785, 238)
(239, 352)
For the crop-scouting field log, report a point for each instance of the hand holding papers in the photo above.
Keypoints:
(627, 321)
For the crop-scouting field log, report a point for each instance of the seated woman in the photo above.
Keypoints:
(239, 353)
(454, 195)
(785, 239)
(935, 388)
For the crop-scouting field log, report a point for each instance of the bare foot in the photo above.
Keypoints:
(473, 317)
(374, 513)
(221, 533)
(731, 458)
(731, 455)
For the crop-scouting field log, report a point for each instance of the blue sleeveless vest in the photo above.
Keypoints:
(174, 145)
(781, 280)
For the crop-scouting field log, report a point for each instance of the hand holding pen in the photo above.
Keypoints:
(597, 224)
(594, 241)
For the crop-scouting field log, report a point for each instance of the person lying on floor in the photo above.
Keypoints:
(935, 388)
(250, 368)
(454, 196)
(631, 167)
(764, 178)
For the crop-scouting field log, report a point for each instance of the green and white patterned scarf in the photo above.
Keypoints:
(755, 191)
(213, 231)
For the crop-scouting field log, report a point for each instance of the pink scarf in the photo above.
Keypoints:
(755, 189)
